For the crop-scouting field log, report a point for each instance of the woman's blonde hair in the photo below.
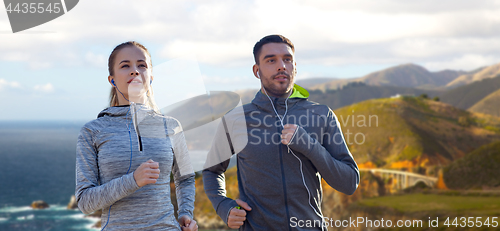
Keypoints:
(113, 95)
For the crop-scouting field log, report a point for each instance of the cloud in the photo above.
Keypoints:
(218, 83)
(341, 38)
(223, 80)
(44, 88)
(466, 62)
(4, 84)
(16, 88)
(209, 52)
(97, 60)
(222, 33)
(401, 7)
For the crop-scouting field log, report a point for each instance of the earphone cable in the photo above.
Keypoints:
(320, 214)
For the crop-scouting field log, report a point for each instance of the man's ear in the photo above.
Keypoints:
(255, 69)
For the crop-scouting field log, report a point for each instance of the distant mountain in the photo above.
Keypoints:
(357, 91)
(247, 95)
(306, 83)
(413, 133)
(488, 105)
(476, 75)
(405, 75)
(448, 75)
(466, 96)
(334, 84)
(445, 76)
(476, 170)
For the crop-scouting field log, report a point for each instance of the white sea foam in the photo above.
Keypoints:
(19, 209)
(25, 213)
(90, 225)
(15, 209)
(56, 207)
(82, 216)
(76, 216)
(29, 217)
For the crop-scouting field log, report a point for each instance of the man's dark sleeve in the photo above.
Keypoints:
(332, 158)
(213, 175)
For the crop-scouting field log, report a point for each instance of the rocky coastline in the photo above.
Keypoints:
(72, 205)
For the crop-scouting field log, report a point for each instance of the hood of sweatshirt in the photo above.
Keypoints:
(115, 111)
(123, 110)
(262, 101)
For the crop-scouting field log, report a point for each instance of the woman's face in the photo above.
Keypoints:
(132, 74)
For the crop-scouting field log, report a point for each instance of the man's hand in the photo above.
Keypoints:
(147, 173)
(238, 216)
(287, 133)
(187, 224)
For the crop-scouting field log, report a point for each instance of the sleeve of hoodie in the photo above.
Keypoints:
(332, 158)
(90, 194)
(183, 172)
(213, 176)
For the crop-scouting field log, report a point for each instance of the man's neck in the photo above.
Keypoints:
(286, 95)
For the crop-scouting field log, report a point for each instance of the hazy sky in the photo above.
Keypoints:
(58, 71)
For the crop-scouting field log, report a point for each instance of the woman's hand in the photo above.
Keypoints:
(187, 224)
(147, 173)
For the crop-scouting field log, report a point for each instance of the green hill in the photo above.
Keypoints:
(411, 132)
(466, 96)
(357, 91)
(477, 169)
(488, 105)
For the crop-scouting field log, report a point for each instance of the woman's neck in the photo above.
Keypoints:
(137, 100)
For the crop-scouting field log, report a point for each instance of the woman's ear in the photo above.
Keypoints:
(111, 81)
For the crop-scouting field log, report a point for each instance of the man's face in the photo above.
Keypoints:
(276, 69)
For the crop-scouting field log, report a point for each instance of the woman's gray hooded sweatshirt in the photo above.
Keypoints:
(116, 143)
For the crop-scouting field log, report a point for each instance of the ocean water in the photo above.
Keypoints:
(37, 162)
